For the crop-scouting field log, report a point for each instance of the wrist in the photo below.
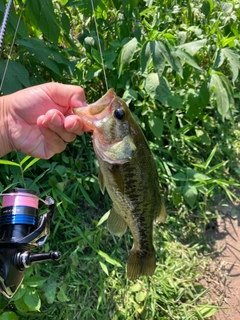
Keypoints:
(5, 142)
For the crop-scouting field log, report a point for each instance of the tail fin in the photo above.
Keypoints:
(140, 263)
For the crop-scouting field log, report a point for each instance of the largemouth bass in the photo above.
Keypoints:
(128, 172)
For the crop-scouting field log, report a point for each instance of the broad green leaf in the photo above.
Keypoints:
(108, 258)
(50, 289)
(220, 58)
(21, 305)
(152, 83)
(156, 125)
(93, 72)
(195, 175)
(192, 47)
(187, 58)
(35, 281)
(129, 95)
(16, 77)
(195, 106)
(42, 53)
(61, 295)
(190, 194)
(128, 7)
(141, 296)
(234, 61)
(158, 88)
(180, 176)
(170, 55)
(206, 8)
(177, 196)
(109, 57)
(51, 57)
(32, 299)
(66, 23)
(84, 5)
(145, 56)
(20, 292)
(197, 101)
(227, 7)
(158, 57)
(203, 136)
(60, 169)
(127, 53)
(96, 56)
(135, 287)
(42, 12)
(221, 89)
(204, 93)
(9, 315)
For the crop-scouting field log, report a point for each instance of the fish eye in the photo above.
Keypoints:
(119, 114)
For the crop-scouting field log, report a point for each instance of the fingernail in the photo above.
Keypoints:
(74, 125)
(56, 120)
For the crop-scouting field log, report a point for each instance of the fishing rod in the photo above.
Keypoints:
(4, 23)
(2, 34)
(21, 227)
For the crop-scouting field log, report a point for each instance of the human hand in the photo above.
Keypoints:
(39, 120)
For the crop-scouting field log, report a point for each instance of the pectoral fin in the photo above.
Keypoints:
(163, 213)
(116, 223)
(116, 153)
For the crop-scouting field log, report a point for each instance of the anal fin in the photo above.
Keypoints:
(116, 224)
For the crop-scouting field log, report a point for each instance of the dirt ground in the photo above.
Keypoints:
(223, 278)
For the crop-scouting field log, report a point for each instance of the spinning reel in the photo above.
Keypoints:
(20, 229)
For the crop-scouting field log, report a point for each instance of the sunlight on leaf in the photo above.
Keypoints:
(10, 163)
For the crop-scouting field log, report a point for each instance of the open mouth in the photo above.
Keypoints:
(96, 111)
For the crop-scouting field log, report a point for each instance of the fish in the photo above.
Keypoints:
(128, 172)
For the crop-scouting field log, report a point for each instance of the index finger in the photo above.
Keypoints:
(65, 95)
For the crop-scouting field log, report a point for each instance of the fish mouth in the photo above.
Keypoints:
(96, 111)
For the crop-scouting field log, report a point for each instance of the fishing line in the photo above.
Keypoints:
(99, 45)
(12, 44)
